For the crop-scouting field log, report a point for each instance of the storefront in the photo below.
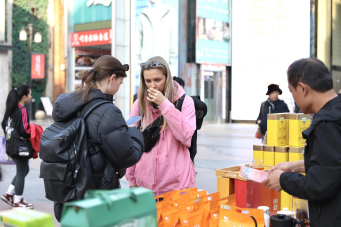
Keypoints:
(213, 56)
(91, 37)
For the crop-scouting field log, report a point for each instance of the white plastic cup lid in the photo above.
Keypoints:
(265, 208)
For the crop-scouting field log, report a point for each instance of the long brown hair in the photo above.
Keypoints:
(102, 68)
(170, 92)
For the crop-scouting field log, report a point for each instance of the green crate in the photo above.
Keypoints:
(133, 207)
(25, 218)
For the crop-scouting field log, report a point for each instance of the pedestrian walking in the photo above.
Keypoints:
(15, 125)
(272, 105)
(119, 146)
(312, 88)
(166, 164)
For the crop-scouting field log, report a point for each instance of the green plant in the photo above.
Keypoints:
(22, 16)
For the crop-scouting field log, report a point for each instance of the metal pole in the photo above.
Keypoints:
(30, 29)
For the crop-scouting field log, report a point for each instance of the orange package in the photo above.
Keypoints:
(179, 193)
(165, 206)
(213, 217)
(171, 218)
(230, 200)
(194, 215)
(231, 216)
(164, 197)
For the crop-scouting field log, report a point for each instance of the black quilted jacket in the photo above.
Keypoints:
(121, 146)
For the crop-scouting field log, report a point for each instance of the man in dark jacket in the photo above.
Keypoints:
(271, 105)
(312, 88)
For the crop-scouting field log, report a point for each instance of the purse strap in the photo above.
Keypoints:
(262, 110)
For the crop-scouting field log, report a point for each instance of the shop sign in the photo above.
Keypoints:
(213, 43)
(91, 38)
(37, 66)
(98, 2)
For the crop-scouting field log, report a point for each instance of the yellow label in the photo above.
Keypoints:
(277, 132)
(258, 155)
(296, 127)
(281, 157)
(269, 158)
(295, 157)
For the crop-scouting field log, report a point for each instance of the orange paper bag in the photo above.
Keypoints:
(231, 216)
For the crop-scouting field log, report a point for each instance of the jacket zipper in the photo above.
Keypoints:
(76, 156)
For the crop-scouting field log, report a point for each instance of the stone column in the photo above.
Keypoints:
(121, 50)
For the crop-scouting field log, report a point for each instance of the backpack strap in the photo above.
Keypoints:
(179, 102)
(91, 106)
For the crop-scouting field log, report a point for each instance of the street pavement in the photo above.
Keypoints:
(219, 146)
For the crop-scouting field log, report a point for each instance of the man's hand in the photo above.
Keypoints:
(284, 166)
(272, 181)
(155, 96)
(297, 166)
(259, 121)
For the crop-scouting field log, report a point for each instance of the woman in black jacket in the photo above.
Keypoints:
(271, 105)
(120, 146)
(16, 118)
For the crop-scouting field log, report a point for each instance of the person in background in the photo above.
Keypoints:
(166, 164)
(17, 117)
(312, 88)
(272, 105)
(180, 81)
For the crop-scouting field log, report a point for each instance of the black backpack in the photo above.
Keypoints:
(66, 167)
(200, 113)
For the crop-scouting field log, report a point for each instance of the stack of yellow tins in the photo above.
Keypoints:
(282, 155)
(297, 124)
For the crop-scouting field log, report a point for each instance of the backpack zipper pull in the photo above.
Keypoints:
(76, 171)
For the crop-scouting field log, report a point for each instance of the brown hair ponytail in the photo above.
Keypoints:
(102, 68)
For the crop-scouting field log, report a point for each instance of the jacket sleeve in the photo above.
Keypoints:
(122, 146)
(260, 113)
(182, 124)
(24, 121)
(130, 174)
(323, 179)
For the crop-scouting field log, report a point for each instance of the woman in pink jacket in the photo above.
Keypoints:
(167, 166)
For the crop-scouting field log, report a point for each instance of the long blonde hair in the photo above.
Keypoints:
(170, 92)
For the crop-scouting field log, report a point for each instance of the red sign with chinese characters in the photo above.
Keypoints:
(91, 38)
(37, 66)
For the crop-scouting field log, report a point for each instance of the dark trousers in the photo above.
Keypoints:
(19, 179)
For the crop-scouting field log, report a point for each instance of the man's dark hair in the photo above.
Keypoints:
(311, 71)
(179, 81)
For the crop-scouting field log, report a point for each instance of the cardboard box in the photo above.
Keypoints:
(277, 130)
(225, 186)
(281, 155)
(249, 194)
(25, 218)
(297, 124)
(269, 157)
(296, 154)
(258, 152)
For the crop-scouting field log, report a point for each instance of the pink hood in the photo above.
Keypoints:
(168, 165)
